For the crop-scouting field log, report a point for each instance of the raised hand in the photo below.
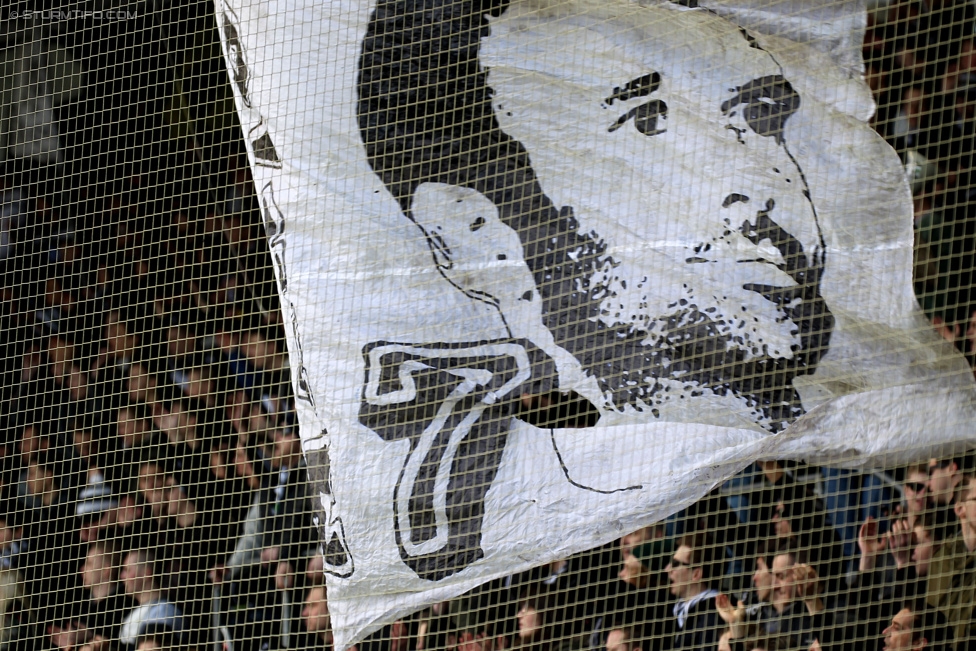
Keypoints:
(807, 582)
(315, 570)
(97, 643)
(870, 543)
(285, 576)
(948, 332)
(733, 616)
(399, 636)
(900, 542)
(725, 609)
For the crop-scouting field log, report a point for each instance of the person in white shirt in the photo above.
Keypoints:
(138, 579)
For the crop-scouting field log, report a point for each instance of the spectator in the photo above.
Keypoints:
(104, 606)
(644, 534)
(134, 427)
(751, 604)
(316, 620)
(926, 541)
(915, 492)
(95, 509)
(14, 611)
(167, 500)
(952, 572)
(641, 567)
(914, 627)
(800, 518)
(11, 534)
(12, 596)
(645, 604)
(762, 584)
(768, 485)
(623, 639)
(39, 486)
(277, 531)
(691, 574)
(140, 578)
(142, 384)
(223, 499)
(944, 478)
(539, 620)
(179, 424)
(911, 548)
(893, 566)
(68, 636)
(121, 339)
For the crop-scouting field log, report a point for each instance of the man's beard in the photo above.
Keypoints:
(693, 353)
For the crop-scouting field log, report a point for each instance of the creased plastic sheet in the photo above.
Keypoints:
(678, 213)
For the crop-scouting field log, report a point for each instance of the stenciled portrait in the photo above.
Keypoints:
(631, 206)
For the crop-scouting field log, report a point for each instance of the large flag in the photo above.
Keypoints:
(677, 213)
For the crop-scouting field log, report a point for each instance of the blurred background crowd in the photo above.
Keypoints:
(153, 492)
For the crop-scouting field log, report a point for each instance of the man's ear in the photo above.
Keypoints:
(697, 574)
(920, 644)
(960, 510)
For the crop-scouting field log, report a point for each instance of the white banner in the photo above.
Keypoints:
(680, 214)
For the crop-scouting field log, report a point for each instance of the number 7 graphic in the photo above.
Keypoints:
(454, 403)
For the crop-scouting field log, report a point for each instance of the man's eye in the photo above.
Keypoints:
(767, 103)
(648, 118)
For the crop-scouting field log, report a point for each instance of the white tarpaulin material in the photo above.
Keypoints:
(678, 213)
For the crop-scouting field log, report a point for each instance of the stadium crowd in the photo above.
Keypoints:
(153, 493)
(151, 443)
(920, 67)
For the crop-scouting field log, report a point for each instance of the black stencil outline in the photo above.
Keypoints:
(562, 464)
(334, 524)
(230, 23)
(460, 351)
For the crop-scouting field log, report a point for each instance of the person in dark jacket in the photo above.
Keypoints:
(106, 605)
(691, 575)
(915, 626)
(801, 519)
